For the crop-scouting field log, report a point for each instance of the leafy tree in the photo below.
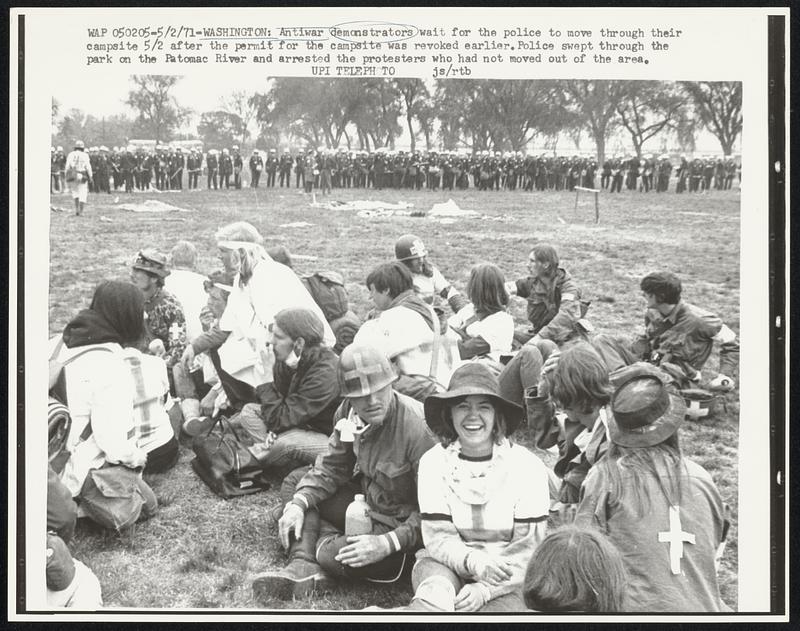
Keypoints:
(415, 97)
(718, 105)
(594, 103)
(219, 129)
(159, 114)
(243, 105)
(649, 108)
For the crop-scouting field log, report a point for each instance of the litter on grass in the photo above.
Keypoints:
(152, 206)
(360, 205)
(450, 209)
(296, 224)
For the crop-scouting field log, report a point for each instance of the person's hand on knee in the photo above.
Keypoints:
(364, 550)
(472, 597)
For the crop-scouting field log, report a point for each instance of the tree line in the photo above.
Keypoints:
(367, 114)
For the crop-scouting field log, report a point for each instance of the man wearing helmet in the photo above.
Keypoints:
(428, 280)
(374, 450)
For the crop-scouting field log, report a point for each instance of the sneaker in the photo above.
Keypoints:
(198, 424)
(299, 579)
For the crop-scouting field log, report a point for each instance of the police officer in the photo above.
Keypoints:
(256, 165)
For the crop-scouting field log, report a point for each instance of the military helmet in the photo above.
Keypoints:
(409, 247)
(363, 370)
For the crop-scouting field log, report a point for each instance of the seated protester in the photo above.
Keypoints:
(166, 323)
(154, 432)
(678, 337)
(292, 424)
(576, 570)
(99, 388)
(485, 329)
(484, 501)
(69, 582)
(374, 450)
(187, 285)
(62, 511)
(328, 291)
(554, 310)
(660, 509)
(554, 300)
(578, 385)
(261, 288)
(428, 280)
(408, 332)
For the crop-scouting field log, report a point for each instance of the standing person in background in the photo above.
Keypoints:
(225, 169)
(79, 172)
(193, 166)
(212, 165)
(285, 168)
(55, 182)
(238, 164)
(300, 163)
(271, 166)
(256, 165)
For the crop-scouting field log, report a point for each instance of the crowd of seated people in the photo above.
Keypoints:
(419, 416)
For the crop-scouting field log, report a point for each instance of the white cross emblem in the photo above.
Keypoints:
(362, 373)
(675, 538)
(417, 248)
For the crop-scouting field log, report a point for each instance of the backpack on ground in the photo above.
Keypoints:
(223, 461)
(327, 290)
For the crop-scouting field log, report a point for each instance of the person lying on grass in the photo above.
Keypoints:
(374, 450)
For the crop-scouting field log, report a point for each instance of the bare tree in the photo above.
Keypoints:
(718, 104)
(649, 108)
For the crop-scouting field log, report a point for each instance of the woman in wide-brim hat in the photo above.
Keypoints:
(484, 501)
(661, 509)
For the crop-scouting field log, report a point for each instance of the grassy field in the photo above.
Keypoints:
(201, 551)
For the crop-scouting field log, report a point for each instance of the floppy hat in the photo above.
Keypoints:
(151, 262)
(644, 411)
(470, 379)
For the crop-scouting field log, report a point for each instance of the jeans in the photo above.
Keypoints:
(293, 448)
(524, 370)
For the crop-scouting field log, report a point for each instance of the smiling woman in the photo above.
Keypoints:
(478, 525)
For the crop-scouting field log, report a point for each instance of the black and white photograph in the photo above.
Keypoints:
(395, 345)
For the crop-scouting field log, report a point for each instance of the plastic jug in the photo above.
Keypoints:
(357, 520)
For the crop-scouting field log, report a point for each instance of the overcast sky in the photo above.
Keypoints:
(196, 91)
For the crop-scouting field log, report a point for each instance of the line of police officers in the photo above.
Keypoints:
(164, 167)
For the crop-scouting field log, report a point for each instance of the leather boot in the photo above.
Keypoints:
(540, 413)
(302, 575)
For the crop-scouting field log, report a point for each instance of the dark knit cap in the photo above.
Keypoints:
(300, 322)
(60, 569)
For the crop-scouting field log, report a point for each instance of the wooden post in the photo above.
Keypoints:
(596, 192)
